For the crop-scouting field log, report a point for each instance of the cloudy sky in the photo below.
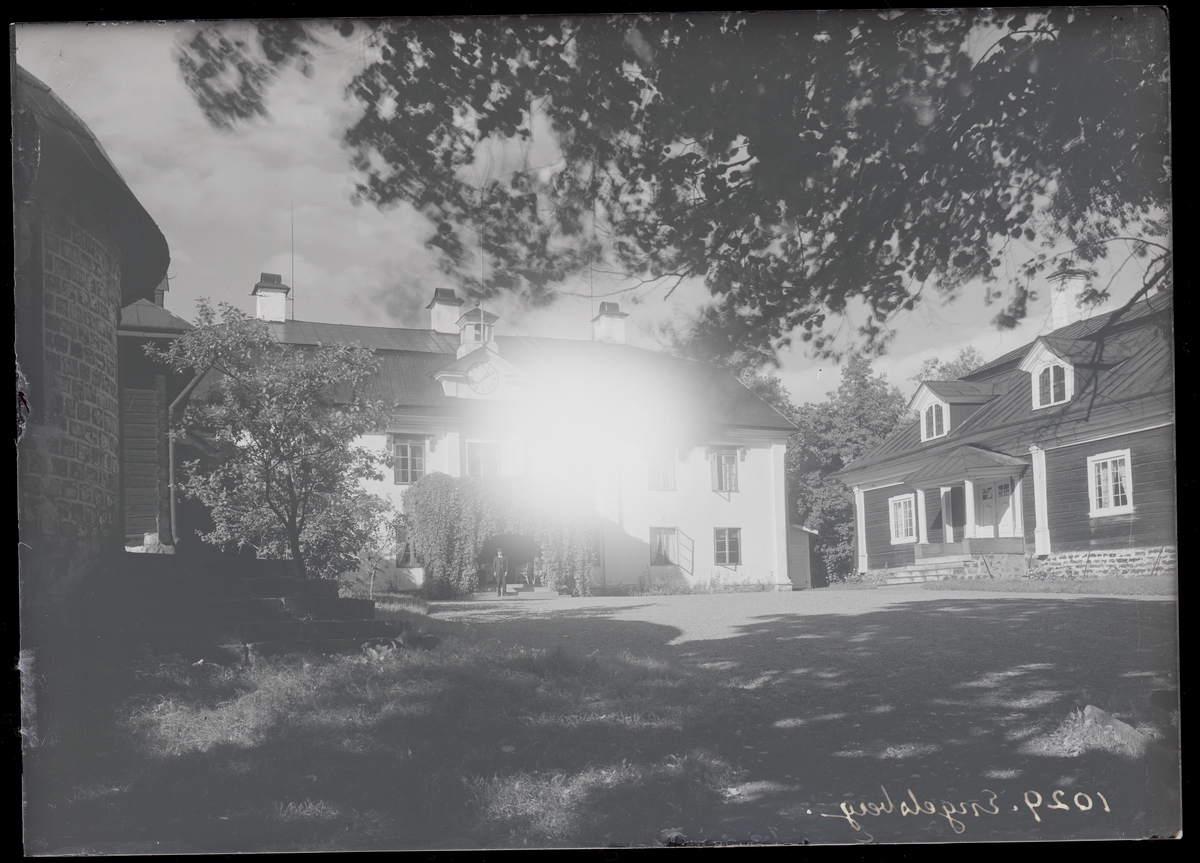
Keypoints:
(225, 201)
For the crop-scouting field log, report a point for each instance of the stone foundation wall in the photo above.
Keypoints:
(1108, 563)
(69, 472)
(994, 565)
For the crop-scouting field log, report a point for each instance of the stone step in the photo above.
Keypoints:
(914, 579)
(942, 559)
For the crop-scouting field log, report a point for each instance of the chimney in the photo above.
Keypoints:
(443, 311)
(609, 325)
(1065, 308)
(272, 296)
(160, 292)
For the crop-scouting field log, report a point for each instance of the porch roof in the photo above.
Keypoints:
(966, 462)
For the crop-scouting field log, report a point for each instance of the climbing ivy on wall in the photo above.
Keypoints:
(449, 519)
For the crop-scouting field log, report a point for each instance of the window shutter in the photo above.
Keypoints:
(715, 462)
(395, 459)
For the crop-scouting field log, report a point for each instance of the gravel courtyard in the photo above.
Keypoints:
(855, 698)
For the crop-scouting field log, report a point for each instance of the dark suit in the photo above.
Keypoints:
(500, 568)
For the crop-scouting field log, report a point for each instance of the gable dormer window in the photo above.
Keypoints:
(1051, 386)
(935, 422)
(1052, 377)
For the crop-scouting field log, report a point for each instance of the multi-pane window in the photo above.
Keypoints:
(409, 462)
(1110, 483)
(483, 459)
(725, 469)
(727, 546)
(662, 470)
(1052, 385)
(902, 515)
(664, 548)
(935, 422)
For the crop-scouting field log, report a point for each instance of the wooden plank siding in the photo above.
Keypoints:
(1152, 465)
(139, 442)
(880, 551)
(933, 515)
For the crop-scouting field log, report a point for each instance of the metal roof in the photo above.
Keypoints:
(960, 462)
(1135, 379)
(376, 338)
(1106, 325)
(408, 358)
(148, 317)
(964, 391)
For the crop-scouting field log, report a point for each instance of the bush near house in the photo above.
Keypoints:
(286, 476)
(450, 518)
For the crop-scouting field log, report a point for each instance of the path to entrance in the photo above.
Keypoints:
(854, 698)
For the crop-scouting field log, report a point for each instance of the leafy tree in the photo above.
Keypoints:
(804, 166)
(861, 412)
(766, 386)
(286, 477)
(965, 361)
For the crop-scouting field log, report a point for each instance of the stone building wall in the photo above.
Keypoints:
(1108, 563)
(69, 470)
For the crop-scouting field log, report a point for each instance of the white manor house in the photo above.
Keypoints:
(684, 463)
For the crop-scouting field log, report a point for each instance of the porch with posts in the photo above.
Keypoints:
(979, 526)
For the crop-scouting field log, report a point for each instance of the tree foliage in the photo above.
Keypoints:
(860, 413)
(450, 518)
(286, 477)
(933, 369)
(803, 165)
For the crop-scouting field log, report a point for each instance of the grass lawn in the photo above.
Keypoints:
(454, 746)
(717, 718)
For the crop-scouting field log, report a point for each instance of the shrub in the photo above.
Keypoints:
(449, 519)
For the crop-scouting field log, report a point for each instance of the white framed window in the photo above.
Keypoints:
(727, 546)
(408, 465)
(725, 469)
(1052, 385)
(1111, 483)
(664, 546)
(902, 516)
(483, 458)
(934, 424)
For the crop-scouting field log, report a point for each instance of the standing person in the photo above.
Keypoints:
(500, 568)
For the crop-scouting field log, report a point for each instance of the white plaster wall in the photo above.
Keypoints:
(758, 508)
(627, 508)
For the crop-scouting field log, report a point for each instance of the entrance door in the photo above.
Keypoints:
(1004, 509)
(799, 559)
(985, 513)
(994, 512)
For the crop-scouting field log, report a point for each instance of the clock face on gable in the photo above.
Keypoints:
(483, 378)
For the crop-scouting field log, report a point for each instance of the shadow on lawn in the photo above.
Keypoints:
(791, 715)
(948, 698)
